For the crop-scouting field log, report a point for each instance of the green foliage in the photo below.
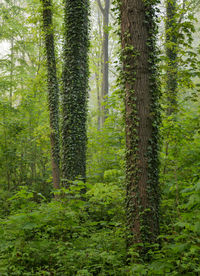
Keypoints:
(105, 151)
(23, 114)
(85, 233)
(68, 236)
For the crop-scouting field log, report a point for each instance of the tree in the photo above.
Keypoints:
(105, 61)
(53, 91)
(171, 55)
(171, 49)
(138, 34)
(74, 94)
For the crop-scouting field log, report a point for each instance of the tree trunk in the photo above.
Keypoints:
(11, 69)
(171, 53)
(53, 91)
(138, 31)
(105, 63)
(99, 73)
(75, 87)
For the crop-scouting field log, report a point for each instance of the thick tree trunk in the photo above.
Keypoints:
(142, 118)
(75, 87)
(53, 91)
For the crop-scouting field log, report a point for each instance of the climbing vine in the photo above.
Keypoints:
(75, 86)
(142, 115)
(53, 90)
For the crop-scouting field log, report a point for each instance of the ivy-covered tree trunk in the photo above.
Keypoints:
(75, 87)
(53, 91)
(138, 31)
(171, 55)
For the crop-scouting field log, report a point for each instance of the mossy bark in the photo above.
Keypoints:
(53, 90)
(138, 35)
(75, 87)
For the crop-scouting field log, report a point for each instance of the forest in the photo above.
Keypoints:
(99, 137)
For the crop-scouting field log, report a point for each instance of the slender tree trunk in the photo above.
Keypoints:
(12, 61)
(99, 73)
(11, 70)
(8, 173)
(75, 87)
(105, 63)
(171, 53)
(53, 91)
(142, 118)
(105, 82)
(171, 47)
(98, 98)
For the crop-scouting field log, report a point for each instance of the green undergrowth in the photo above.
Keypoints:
(74, 235)
(84, 234)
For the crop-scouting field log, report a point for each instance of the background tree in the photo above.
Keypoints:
(171, 54)
(179, 56)
(105, 11)
(53, 90)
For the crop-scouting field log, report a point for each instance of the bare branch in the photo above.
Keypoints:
(100, 6)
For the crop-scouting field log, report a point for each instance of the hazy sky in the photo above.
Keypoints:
(4, 48)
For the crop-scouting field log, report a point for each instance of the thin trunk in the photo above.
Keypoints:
(8, 174)
(11, 70)
(98, 74)
(98, 98)
(105, 62)
(105, 83)
(171, 53)
(75, 90)
(171, 47)
(142, 119)
(53, 91)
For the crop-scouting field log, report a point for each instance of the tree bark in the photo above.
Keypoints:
(142, 118)
(53, 91)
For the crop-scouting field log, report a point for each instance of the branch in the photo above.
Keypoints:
(100, 6)
(183, 8)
